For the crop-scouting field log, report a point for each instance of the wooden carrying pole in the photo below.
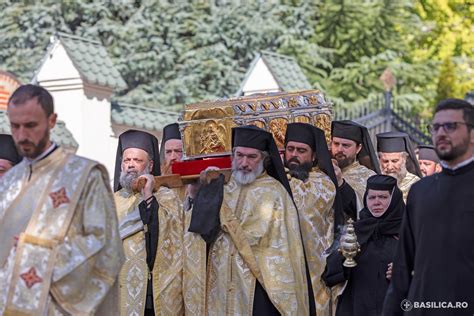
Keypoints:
(176, 180)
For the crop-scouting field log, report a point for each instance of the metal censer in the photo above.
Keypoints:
(349, 246)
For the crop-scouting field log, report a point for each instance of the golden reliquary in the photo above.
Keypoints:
(206, 126)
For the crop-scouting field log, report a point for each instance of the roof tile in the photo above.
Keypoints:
(152, 119)
(286, 71)
(60, 134)
(92, 61)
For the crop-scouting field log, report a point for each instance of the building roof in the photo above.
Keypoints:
(284, 69)
(136, 116)
(92, 61)
(60, 134)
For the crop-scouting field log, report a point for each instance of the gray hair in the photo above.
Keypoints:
(264, 154)
(404, 154)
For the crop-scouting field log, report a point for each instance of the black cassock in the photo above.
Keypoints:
(367, 283)
(435, 257)
(149, 217)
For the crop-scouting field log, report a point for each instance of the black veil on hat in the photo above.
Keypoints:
(360, 134)
(136, 139)
(254, 137)
(427, 152)
(315, 138)
(392, 142)
(170, 131)
(389, 223)
(8, 149)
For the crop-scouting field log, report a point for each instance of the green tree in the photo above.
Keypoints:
(446, 34)
(447, 80)
(172, 52)
(364, 38)
(25, 31)
(26, 27)
(198, 51)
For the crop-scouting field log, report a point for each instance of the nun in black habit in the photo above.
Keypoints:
(377, 233)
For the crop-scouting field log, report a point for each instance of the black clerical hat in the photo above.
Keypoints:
(315, 138)
(170, 131)
(351, 130)
(348, 130)
(427, 152)
(392, 142)
(8, 149)
(303, 133)
(381, 182)
(254, 137)
(136, 139)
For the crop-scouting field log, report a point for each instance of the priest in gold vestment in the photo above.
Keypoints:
(194, 247)
(397, 159)
(256, 261)
(171, 147)
(313, 183)
(151, 230)
(61, 250)
(171, 150)
(356, 158)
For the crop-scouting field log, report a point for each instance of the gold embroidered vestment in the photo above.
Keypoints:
(166, 276)
(314, 199)
(356, 176)
(260, 239)
(61, 251)
(406, 184)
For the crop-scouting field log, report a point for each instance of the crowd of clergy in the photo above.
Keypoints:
(265, 241)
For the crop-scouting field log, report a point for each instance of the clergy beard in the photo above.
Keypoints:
(453, 152)
(38, 149)
(300, 170)
(344, 161)
(242, 177)
(399, 175)
(127, 177)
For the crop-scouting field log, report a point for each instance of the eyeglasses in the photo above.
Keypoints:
(448, 127)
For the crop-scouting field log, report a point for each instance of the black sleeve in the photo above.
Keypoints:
(149, 216)
(205, 219)
(402, 266)
(335, 272)
(349, 200)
